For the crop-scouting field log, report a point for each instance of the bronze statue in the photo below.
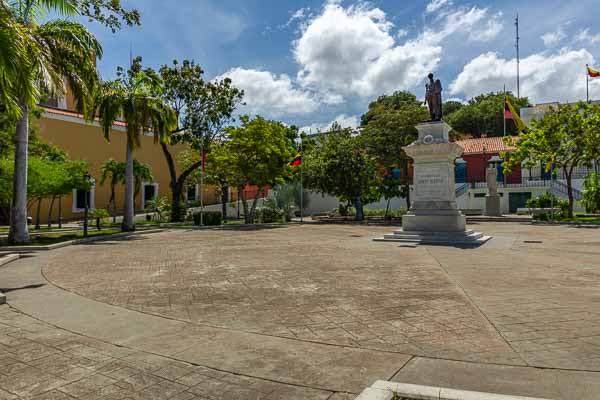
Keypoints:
(433, 98)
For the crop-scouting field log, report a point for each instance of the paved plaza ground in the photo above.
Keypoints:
(303, 312)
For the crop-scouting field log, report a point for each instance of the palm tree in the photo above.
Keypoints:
(141, 173)
(134, 98)
(47, 56)
(114, 170)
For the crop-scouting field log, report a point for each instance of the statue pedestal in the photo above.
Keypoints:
(492, 206)
(434, 216)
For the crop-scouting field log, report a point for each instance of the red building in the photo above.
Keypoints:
(477, 153)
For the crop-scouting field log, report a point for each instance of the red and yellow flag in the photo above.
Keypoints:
(297, 161)
(593, 73)
(511, 113)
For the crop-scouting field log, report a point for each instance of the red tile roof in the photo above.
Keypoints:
(489, 144)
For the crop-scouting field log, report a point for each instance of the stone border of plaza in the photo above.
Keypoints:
(27, 249)
(566, 223)
(384, 390)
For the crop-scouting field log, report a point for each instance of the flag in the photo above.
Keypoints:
(511, 113)
(297, 161)
(593, 73)
(203, 160)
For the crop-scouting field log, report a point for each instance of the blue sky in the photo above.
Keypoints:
(310, 62)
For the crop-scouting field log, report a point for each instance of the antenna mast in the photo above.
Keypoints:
(518, 58)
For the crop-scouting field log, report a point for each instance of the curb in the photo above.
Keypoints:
(383, 390)
(228, 227)
(5, 260)
(566, 223)
(26, 249)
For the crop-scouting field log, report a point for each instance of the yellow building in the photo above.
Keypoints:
(84, 141)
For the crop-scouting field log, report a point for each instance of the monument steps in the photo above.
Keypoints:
(468, 237)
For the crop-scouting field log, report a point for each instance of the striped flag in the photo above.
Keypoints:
(593, 73)
(511, 113)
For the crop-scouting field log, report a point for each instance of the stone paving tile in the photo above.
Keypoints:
(329, 284)
(543, 298)
(76, 367)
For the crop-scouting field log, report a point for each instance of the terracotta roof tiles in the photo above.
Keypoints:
(489, 144)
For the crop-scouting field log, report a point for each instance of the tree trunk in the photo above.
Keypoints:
(360, 215)
(224, 201)
(177, 204)
(387, 209)
(37, 214)
(128, 223)
(242, 195)
(568, 176)
(113, 202)
(18, 233)
(50, 212)
(59, 212)
(177, 183)
(176, 214)
(254, 204)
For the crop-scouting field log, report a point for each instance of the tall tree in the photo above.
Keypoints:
(203, 109)
(484, 115)
(109, 13)
(135, 97)
(55, 52)
(563, 139)
(389, 125)
(258, 153)
(339, 165)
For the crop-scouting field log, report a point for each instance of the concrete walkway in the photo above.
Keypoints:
(208, 360)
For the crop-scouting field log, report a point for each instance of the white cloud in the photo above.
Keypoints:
(458, 21)
(436, 5)
(271, 95)
(553, 38)
(490, 31)
(353, 51)
(544, 76)
(345, 121)
(585, 36)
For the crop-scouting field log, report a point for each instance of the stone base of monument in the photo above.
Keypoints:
(467, 237)
(492, 206)
(434, 217)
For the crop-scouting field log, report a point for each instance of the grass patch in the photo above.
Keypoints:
(57, 237)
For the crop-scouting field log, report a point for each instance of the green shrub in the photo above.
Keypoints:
(211, 218)
(542, 217)
(380, 212)
(343, 210)
(266, 215)
(591, 193)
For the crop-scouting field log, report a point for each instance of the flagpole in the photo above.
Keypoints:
(587, 83)
(301, 183)
(518, 59)
(504, 110)
(202, 184)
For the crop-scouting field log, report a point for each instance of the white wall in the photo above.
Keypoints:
(324, 203)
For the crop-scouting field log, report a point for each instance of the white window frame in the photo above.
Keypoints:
(143, 192)
(197, 193)
(92, 198)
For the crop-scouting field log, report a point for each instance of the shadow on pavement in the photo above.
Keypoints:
(8, 290)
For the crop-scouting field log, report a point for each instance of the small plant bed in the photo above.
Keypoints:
(57, 237)
(399, 397)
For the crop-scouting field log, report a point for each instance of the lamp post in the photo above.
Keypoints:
(87, 178)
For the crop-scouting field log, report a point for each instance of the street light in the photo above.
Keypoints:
(87, 179)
